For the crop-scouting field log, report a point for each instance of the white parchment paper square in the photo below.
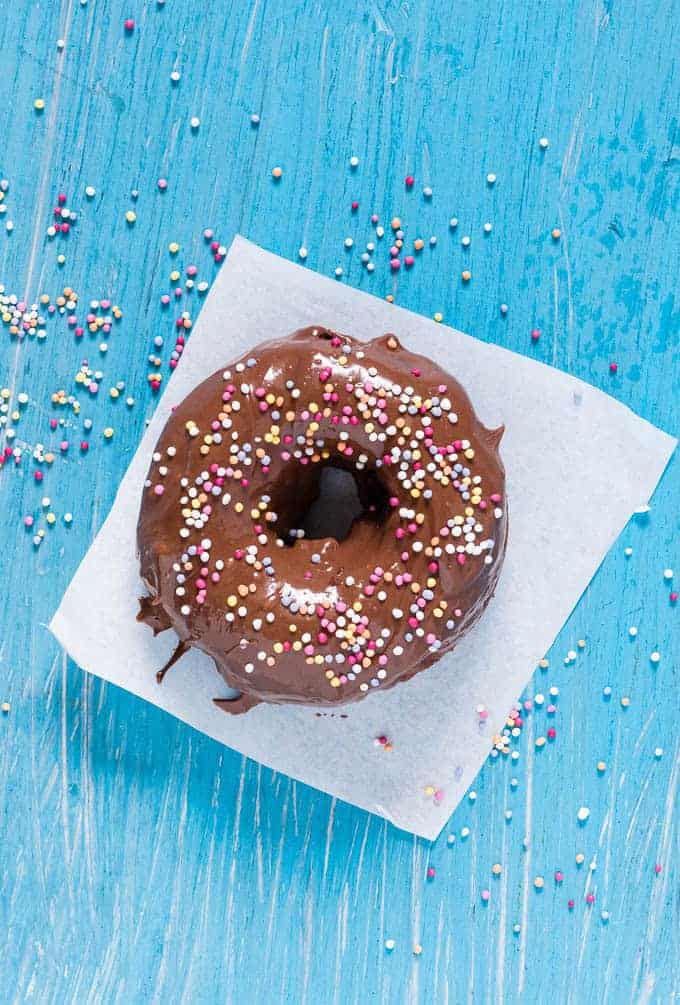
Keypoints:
(578, 464)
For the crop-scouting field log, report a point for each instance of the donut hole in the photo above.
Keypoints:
(329, 500)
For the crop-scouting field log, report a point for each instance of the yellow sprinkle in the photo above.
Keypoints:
(277, 172)
(174, 276)
(539, 882)
(429, 790)
(108, 433)
(580, 858)
(39, 104)
(439, 317)
(496, 869)
(581, 643)
(540, 741)
(625, 702)
(130, 216)
(544, 664)
(466, 275)
(51, 518)
(601, 766)
(173, 247)
(5, 707)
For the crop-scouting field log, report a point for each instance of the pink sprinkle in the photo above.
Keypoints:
(28, 521)
(613, 367)
(552, 733)
(355, 206)
(162, 184)
(395, 264)
(129, 24)
(486, 895)
(559, 877)
(657, 868)
(409, 180)
(408, 261)
(570, 905)
(590, 898)
(673, 597)
(535, 334)
(158, 490)
(430, 872)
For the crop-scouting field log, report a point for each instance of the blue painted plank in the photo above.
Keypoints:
(140, 861)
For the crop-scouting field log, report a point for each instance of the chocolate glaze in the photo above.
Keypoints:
(223, 610)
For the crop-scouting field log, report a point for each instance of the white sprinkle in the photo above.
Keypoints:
(491, 179)
(583, 814)
(354, 162)
(302, 252)
(544, 143)
(655, 657)
(667, 573)
(195, 122)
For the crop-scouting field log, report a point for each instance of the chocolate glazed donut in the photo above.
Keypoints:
(231, 559)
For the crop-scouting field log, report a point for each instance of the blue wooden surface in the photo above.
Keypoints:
(140, 861)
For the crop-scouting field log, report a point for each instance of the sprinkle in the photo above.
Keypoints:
(39, 105)
(535, 334)
(438, 317)
(496, 869)
(130, 216)
(90, 192)
(129, 24)
(556, 233)
(417, 949)
(277, 172)
(194, 122)
(658, 868)
(354, 162)
(486, 895)
(543, 143)
(601, 766)
(504, 309)
(628, 552)
(632, 631)
(254, 119)
(580, 858)
(466, 275)
(491, 179)
(430, 872)
(667, 573)
(539, 882)
(5, 707)
(302, 252)
(655, 657)
(389, 945)
(583, 814)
